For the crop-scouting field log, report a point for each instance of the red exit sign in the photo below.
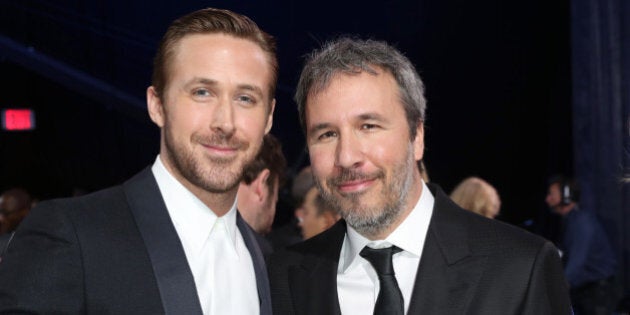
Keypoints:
(18, 119)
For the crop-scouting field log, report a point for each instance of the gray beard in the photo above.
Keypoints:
(372, 220)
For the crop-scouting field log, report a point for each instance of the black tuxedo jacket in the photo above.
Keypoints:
(112, 252)
(469, 265)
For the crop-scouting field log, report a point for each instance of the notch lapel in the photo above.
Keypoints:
(170, 266)
(448, 273)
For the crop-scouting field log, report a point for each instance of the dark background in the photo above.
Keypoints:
(497, 76)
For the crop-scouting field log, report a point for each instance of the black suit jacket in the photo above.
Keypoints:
(469, 265)
(112, 252)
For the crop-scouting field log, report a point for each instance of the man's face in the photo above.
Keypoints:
(554, 198)
(256, 203)
(215, 111)
(362, 157)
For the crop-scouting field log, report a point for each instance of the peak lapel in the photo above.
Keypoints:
(173, 275)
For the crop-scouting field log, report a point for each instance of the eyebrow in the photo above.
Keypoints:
(318, 127)
(361, 117)
(252, 88)
(211, 82)
(205, 81)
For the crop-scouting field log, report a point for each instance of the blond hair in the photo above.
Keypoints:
(477, 195)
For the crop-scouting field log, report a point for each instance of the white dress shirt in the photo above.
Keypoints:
(216, 252)
(357, 282)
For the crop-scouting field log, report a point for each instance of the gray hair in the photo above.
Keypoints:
(354, 56)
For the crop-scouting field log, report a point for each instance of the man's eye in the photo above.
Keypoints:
(368, 126)
(201, 92)
(326, 135)
(246, 99)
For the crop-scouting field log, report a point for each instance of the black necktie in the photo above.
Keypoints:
(389, 300)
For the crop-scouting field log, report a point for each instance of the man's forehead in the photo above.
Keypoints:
(221, 39)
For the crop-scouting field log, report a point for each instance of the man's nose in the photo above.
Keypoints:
(223, 117)
(349, 151)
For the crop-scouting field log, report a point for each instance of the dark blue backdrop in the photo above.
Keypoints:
(601, 115)
(497, 78)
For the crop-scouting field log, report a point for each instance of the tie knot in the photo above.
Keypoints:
(380, 259)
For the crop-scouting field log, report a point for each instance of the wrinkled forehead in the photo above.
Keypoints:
(324, 81)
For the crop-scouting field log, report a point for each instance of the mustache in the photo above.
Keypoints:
(347, 175)
(221, 139)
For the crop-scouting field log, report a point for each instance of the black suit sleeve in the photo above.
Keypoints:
(41, 271)
(548, 290)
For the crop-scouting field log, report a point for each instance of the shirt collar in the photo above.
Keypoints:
(192, 219)
(409, 235)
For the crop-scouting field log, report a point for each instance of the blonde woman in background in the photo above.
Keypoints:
(477, 195)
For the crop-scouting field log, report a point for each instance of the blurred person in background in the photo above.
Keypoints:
(15, 204)
(262, 179)
(589, 260)
(315, 216)
(257, 195)
(290, 233)
(477, 195)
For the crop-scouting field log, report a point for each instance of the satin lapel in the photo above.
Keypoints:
(448, 272)
(313, 282)
(172, 272)
(262, 280)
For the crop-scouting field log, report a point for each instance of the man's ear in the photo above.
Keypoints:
(155, 107)
(270, 117)
(418, 142)
(260, 185)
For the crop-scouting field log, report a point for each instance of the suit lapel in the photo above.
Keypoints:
(313, 282)
(172, 272)
(448, 272)
(262, 280)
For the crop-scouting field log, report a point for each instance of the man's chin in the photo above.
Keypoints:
(221, 161)
(209, 180)
(357, 200)
(220, 188)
